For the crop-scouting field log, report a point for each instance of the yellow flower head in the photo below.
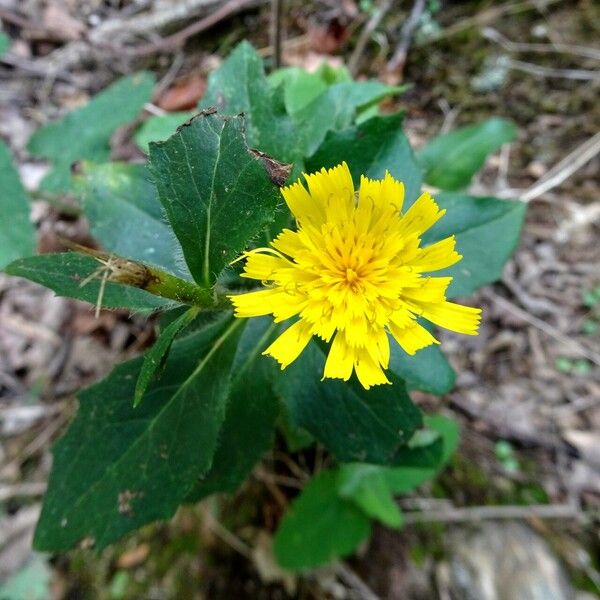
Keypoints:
(354, 271)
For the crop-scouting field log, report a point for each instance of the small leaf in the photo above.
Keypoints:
(155, 358)
(372, 487)
(372, 148)
(487, 232)
(335, 110)
(150, 456)
(302, 87)
(252, 407)
(17, 234)
(4, 43)
(126, 216)
(450, 160)
(84, 133)
(375, 498)
(320, 526)
(159, 128)
(216, 193)
(353, 423)
(65, 272)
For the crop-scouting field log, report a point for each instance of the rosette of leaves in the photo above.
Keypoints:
(195, 413)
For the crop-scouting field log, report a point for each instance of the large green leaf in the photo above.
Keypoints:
(450, 160)
(353, 423)
(65, 272)
(372, 487)
(252, 407)
(17, 235)
(119, 467)
(372, 148)
(320, 526)
(487, 232)
(84, 133)
(216, 193)
(126, 216)
(427, 370)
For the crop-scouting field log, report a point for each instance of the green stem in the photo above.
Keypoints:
(168, 286)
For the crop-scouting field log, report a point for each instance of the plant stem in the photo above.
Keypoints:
(168, 286)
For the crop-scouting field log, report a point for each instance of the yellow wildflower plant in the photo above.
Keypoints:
(354, 271)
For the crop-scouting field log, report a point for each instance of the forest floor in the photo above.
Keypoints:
(528, 387)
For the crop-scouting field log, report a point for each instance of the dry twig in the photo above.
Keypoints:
(559, 48)
(372, 24)
(480, 513)
(540, 71)
(396, 63)
(276, 32)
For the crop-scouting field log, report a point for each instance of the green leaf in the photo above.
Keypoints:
(372, 148)
(252, 407)
(450, 160)
(240, 86)
(84, 133)
(372, 487)
(302, 87)
(375, 498)
(126, 216)
(216, 193)
(335, 110)
(33, 581)
(155, 358)
(150, 456)
(159, 128)
(428, 370)
(17, 235)
(353, 423)
(4, 43)
(487, 233)
(64, 273)
(320, 526)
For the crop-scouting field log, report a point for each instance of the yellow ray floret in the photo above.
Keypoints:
(354, 273)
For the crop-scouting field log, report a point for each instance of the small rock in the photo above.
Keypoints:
(505, 561)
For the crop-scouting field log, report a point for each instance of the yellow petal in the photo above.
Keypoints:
(303, 206)
(288, 346)
(340, 359)
(455, 317)
(392, 192)
(263, 266)
(334, 190)
(421, 215)
(412, 338)
(369, 373)
(432, 289)
(254, 304)
(437, 256)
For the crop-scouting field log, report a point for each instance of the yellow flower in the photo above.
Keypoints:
(354, 271)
